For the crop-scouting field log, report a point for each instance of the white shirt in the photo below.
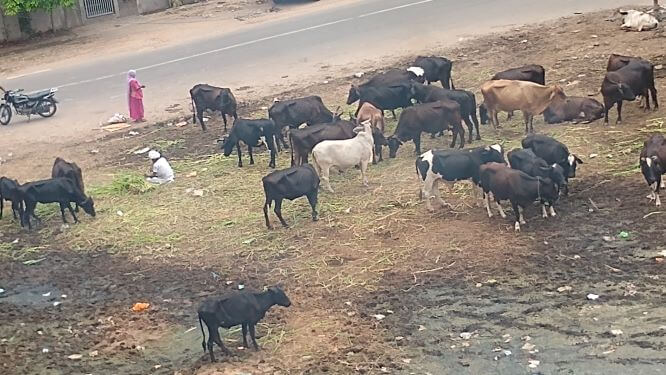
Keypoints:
(163, 170)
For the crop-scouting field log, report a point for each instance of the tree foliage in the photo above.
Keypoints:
(14, 7)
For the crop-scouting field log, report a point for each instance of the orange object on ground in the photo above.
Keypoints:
(140, 306)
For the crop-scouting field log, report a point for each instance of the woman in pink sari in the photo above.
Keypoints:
(135, 97)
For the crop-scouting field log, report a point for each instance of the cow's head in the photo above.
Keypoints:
(354, 95)
(652, 169)
(417, 91)
(494, 153)
(227, 144)
(556, 173)
(223, 98)
(557, 93)
(278, 296)
(483, 113)
(393, 144)
(418, 72)
(378, 137)
(88, 206)
(626, 93)
(573, 161)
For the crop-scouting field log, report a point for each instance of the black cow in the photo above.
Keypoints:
(430, 118)
(500, 182)
(632, 80)
(383, 97)
(653, 165)
(295, 112)
(453, 165)
(63, 168)
(573, 108)
(395, 76)
(60, 190)
(290, 183)
(241, 307)
(207, 97)
(436, 69)
(525, 160)
(531, 73)
(466, 99)
(9, 191)
(553, 152)
(253, 133)
(616, 61)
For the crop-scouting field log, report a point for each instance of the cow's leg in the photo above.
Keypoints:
(284, 143)
(646, 94)
(364, 169)
(238, 149)
(653, 93)
(312, 199)
(427, 191)
(516, 211)
(62, 213)
(324, 175)
(500, 209)
(16, 207)
(393, 113)
(486, 201)
(253, 336)
(509, 115)
(521, 217)
(271, 148)
(224, 119)
(278, 212)
(211, 342)
(496, 124)
(249, 151)
(266, 206)
(475, 120)
(526, 118)
(619, 112)
(29, 211)
(71, 211)
(470, 128)
(201, 119)
(216, 337)
(2, 207)
(417, 143)
(244, 329)
(552, 210)
(544, 213)
(277, 143)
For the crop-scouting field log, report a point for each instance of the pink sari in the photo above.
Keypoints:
(135, 97)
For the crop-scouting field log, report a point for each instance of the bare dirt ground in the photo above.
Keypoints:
(517, 298)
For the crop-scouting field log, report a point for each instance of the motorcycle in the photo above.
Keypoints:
(41, 103)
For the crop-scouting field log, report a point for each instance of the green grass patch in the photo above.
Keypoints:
(123, 183)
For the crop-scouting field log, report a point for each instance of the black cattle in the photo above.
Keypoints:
(207, 97)
(9, 191)
(616, 61)
(632, 80)
(394, 76)
(531, 73)
(383, 97)
(430, 118)
(253, 133)
(553, 152)
(295, 112)
(436, 69)
(525, 160)
(503, 183)
(290, 183)
(466, 99)
(56, 190)
(653, 165)
(573, 108)
(63, 168)
(241, 307)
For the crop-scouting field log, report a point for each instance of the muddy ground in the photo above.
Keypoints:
(459, 293)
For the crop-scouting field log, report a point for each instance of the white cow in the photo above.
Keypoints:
(344, 154)
(637, 20)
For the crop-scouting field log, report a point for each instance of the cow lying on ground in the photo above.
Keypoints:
(529, 97)
(430, 118)
(206, 97)
(466, 99)
(529, 73)
(553, 152)
(436, 69)
(344, 154)
(451, 166)
(634, 79)
(9, 191)
(385, 98)
(242, 307)
(637, 20)
(63, 168)
(290, 183)
(56, 190)
(253, 133)
(295, 112)
(573, 108)
(653, 165)
(525, 160)
(500, 182)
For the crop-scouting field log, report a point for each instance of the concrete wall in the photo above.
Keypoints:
(40, 21)
(150, 6)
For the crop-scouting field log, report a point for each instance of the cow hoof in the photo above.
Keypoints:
(516, 227)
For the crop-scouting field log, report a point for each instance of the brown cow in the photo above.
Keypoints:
(529, 97)
(369, 112)
(573, 108)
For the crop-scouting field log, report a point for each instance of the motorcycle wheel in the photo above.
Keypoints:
(5, 114)
(46, 108)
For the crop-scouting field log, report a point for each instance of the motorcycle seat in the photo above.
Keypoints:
(37, 94)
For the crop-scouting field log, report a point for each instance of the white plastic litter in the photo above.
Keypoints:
(466, 335)
(46, 294)
(142, 151)
(75, 356)
(379, 316)
(117, 118)
(592, 296)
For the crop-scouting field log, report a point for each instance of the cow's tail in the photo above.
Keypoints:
(194, 110)
(203, 342)
(291, 149)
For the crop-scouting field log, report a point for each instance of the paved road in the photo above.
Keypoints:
(343, 36)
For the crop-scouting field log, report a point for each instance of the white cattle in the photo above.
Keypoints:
(637, 20)
(344, 154)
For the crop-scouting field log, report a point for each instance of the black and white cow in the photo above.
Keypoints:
(653, 165)
(553, 151)
(451, 166)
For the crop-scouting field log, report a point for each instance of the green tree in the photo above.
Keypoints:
(24, 7)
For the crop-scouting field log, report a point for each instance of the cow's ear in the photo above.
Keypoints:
(578, 160)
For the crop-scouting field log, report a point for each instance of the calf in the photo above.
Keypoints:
(63, 168)
(653, 165)
(553, 152)
(466, 99)
(430, 118)
(573, 108)
(294, 112)
(502, 183)
(525, 160)
(530, 73)
(9, 191)
(207, 97)
(369, 112)
(344, 154)
(436, 69)
(56, 190)
(290, 183)
(382, 97)
(253, 133)
(241, 307)
(451, 166)
(529, 97)
(634, 79)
